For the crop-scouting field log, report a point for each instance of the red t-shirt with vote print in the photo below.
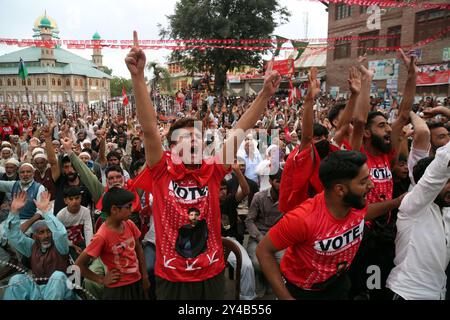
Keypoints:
(381, 176)
(187, 251)
(318, 245)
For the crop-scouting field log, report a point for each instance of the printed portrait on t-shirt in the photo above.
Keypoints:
(192, 237)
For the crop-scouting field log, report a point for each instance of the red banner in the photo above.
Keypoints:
(433, 74)
(284, 67)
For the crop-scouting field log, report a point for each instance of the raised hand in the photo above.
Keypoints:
(135, 59)
(235, 167)
(409, 60)
(43, 204)
(67, 144)
(367, 74)
(18, 202)
(47, 132)
(363, 58)
(314, 84)
(354, 80)
(272, 81)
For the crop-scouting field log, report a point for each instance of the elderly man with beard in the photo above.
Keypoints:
(422, 244)
(47, 250)
(322, 235)
(27, 184)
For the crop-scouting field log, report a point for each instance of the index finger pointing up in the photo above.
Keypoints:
(135, 39)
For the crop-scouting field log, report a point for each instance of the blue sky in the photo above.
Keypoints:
(116, 19)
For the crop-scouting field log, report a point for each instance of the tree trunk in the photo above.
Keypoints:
(220, 80)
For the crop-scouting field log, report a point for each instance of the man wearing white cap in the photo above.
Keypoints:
(26, 183)
(43, 173)
(5, 155)
(10, 174)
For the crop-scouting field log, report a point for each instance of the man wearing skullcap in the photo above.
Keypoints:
(27, 184)
(47, 250)
(10, 174)
(5, 154)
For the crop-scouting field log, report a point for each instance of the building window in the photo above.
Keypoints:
(343, 11)
(96, 83)
(363, 44)
(14, 82)
(44, 82)
(1, 82)
(342, 49)
(23, 82)
(38, 81)
(76, 82)
(9, 82)
(81, 82)
(59, 82)
(90, 82)
(394, 42)
(363, 9)
(67, 82)
(103, 83)
(29, 82)
(430, 22)
(53, 82)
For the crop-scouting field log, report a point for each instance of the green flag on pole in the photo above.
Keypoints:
(280, 41)
(300, 46)
(23, 72)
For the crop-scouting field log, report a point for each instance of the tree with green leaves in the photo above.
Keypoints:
(116, 85)
(106, 70)
(222, 19)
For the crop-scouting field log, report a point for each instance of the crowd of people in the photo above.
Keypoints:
(314, 193)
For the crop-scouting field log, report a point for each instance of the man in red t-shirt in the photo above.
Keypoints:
(380, 141)
(189, 260)
(323, 234)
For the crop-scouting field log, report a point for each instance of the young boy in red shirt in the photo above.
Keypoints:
(117, 244)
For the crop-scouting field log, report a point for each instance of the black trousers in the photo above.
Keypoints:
(210, 289)
(133, 291)
(338, 290)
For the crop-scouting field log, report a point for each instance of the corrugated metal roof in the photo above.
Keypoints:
(73, 64)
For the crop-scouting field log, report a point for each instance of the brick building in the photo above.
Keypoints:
(411, 24)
